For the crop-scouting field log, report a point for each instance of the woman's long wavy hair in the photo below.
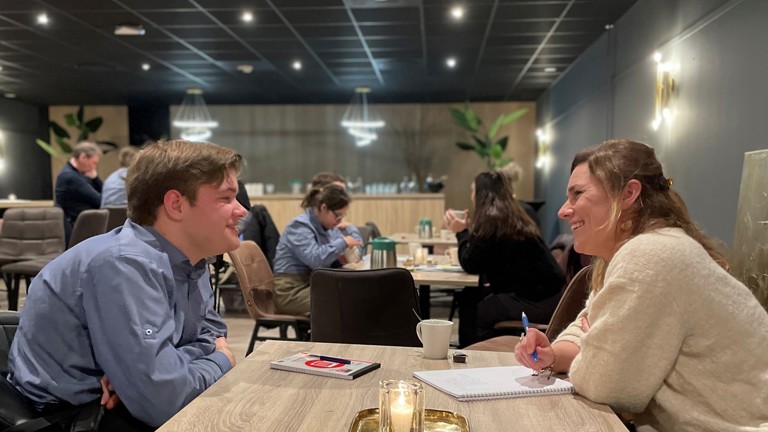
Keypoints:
(616, 162)
(497, 212)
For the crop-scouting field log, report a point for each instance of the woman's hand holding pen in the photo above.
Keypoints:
(534, 340)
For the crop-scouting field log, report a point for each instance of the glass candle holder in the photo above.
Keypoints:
(401, 406)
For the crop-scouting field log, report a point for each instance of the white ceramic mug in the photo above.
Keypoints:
(435, 335)
(459, 214)
(453, 255)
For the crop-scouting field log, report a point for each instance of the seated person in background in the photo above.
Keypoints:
(503, 246)
(514, 173)
(326, 178)
(113, 191)
(78, 186)
(311, 240)
(667, 333)
(132, 310)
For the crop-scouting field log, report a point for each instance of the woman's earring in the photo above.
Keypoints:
(626, 225)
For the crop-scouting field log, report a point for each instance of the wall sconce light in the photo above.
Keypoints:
(665, 87)
(2, 152)
(542, 161)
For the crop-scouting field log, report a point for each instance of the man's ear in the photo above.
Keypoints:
(173, 205)
(630, 193)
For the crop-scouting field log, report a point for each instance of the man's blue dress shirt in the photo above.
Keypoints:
(113, 190)
(129, 305)
(305, 245)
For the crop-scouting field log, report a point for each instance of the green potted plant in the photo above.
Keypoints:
(485, 144)
(84, 127)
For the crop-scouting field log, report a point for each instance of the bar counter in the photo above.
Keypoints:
(391, 213)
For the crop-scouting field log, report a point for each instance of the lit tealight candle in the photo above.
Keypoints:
(401, 412)
(401, 406)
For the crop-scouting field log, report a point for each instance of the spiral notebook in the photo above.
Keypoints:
(493, 383)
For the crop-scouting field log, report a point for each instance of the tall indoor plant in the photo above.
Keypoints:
(485, 143)
(84, 129)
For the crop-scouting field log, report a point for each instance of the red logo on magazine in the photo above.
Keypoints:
(323, 364)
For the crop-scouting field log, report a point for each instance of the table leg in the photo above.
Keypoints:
(424, 305)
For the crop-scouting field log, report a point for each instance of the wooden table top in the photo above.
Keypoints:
(451, 279)
(19, 203)
(252, 397)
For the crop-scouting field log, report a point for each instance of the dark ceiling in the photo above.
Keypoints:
(397, 47)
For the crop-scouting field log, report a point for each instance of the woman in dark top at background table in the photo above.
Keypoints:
(503, 245)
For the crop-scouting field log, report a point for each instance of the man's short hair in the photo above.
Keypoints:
(126, 155)
(178, 165)
(86, 148)
(325, 178)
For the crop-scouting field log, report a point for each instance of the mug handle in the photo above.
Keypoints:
(418, 332)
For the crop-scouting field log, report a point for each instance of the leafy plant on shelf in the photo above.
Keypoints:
(485, 143)
(84, 129)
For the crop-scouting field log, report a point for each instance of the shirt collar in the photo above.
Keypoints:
(314, 220)
(179, 262)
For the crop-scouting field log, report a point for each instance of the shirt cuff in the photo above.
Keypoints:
(222, 360)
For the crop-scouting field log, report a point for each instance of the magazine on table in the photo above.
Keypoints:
(317, 364)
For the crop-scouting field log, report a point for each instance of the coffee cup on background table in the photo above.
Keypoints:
(453, 255)
(459, 214)
(352, 254)
(446, 235)
(435, 335)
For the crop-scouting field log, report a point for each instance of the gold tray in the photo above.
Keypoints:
(434, 421)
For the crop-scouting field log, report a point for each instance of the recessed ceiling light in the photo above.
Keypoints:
(245, 68)
(42, 18)
(550, 69)
(450, 62)
(129, 30)
(10, 95)
(145, 66)
(296, 65)
(247, 17)
(457, 12)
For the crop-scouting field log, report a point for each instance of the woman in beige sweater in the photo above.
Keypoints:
(667, 333)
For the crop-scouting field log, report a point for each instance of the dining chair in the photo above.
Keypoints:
(15, 408)
(372, 307)
(117, 216)
(88, 224)
(571, 303)
(257, 284)
(28, 234)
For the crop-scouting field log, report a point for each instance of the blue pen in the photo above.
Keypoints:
(525, 332)
(330, 359)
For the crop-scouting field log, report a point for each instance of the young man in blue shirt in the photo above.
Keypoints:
(127, 317)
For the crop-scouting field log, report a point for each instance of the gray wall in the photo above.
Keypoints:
(719, 48)
(27, 170)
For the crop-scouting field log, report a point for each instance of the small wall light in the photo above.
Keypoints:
(665, 87)
(543, 159)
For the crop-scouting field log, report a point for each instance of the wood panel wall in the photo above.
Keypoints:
(287, 142)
